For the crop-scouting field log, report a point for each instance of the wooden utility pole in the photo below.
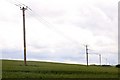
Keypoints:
(24, 34)
(100, 58)
(106, 61)
(87, 54)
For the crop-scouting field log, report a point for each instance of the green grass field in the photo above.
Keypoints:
(16, 69)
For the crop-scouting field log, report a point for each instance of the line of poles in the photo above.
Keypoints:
(24, 37)
(100, 57)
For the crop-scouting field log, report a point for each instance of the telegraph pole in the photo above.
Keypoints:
(100, 58)
(87, 54)
(106, 61)
(24, 34)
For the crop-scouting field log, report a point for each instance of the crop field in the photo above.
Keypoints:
(42, 70)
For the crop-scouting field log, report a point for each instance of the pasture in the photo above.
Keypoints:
(42, 70)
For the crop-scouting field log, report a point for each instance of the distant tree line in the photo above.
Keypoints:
(118, 66)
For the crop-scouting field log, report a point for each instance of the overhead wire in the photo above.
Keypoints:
(45, 22)
(48, 24)
(52, 27)
(16, 3)
(93, 52)
(103, 58)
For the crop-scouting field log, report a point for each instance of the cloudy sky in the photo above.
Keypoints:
(58, 30)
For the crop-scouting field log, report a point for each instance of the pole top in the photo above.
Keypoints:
(23, 8)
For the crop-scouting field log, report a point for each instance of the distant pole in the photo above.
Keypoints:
(87, 54)
(100, 58)
(106, 61)
(24, 34)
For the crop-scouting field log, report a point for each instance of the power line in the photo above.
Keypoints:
(16, 3)
(49, 25)
(45, 22)
(100, 59)
(52, 27)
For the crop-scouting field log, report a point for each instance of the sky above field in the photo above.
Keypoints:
(58, 30)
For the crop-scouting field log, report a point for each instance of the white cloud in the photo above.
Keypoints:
(74, 22)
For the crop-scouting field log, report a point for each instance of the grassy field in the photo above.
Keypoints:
(16, 69)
